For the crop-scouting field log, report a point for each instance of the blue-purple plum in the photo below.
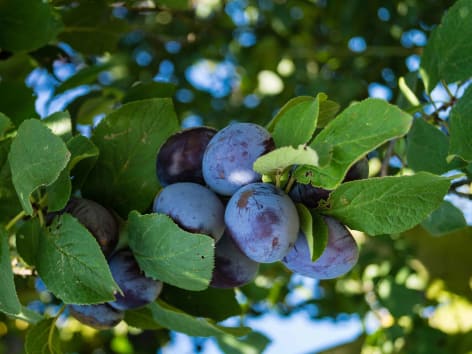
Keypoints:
(193, 207)
(232, 267)
(99, 316)
(138, 290)
(98, 220)
(360, 170)
(180, 157)
(338, 258)
(263, 222)
(230, 154)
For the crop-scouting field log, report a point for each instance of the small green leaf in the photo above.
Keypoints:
(320, 236)
(9, 203)
(84, 155)
(60, 124)
(461, 127)
(5, 125)
(328, 111)
(9, 302)
(149, 90)
(253, 343)
(170, 254)
(72, 265)
(59, 192)
(85, 76)
(40, 339)
(387, 204)
(27, 240)
(218, 304)
(27, 25)
(177, 320)
(296, 121)
(447, 218)
(36, 157)
(446, 55)
(356, 131)
(427, 148)
(128, 139)
(276, 161)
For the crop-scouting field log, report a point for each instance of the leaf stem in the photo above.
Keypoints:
(17, 218)
(41, 217)
(448, 91)
(277, 180)
(53, 327)
(290, 184)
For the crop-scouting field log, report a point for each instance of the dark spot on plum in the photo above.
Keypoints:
(275, 242)
(244, 199)
(264, 221)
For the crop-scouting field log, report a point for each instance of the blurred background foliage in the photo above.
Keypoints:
(243, 60)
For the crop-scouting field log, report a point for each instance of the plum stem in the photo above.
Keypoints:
(290, 183)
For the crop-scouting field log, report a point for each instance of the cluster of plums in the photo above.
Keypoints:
(210, 187)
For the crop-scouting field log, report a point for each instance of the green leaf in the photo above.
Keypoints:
(17, 101)
(170, 254)
(72, 265)
(296, 121)
(276, 161)
(153, 89)
(9, 302)
(27, 25)
(328, 111)
(253, 343)
(447, 218)
(9, 203)
(177, 320)
(314, 229)
(358, 130)
(124, 176)
(142, 318)
(5, 125)
(59, 192)
(17, 67)
(218, 304)
(40, 339)
(84, 155)
(427, 148)
(36, 157)
(60, 124)
(446, 55)
(174, 4)
(85, 76)
(27, 240)
(397, 298)
(94, 106)
(387, 204)
(460, 128)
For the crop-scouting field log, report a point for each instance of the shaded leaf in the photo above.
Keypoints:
(145, 90)
(9, 302)
(254, 342)
(40, 339)
(17, 101)
(445, 219)
(461, 127)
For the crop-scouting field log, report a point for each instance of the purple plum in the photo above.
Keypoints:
(99, 316)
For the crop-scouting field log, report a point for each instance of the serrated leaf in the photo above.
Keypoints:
(27, 240)
(296, 121)
(358, 130)
(27, 25)
(276, 161)
(36, 157)
(5, 125)
(40, 339)
(445, 219)
(170, 254)
(217, 304)
(427, 148)
(128, 139)
(460, 127)
(387, 204)
(72, 265)
(177, 320)
(446, 55)
(9, 302)
(149, 90)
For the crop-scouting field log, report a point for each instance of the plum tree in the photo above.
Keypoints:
(230, 154)
(97, 219)
(193, 207)
(99, 316)
(232, 267)
(180, 158)
(138, 290)
(311, 196)
(339, 256)
(263, 222)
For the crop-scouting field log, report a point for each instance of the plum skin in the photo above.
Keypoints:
(180, 157)
(98, 316)
(193, 207)
(263, 222)
(138, 290)
(232, 267)
(230, 154)
(339, 257)
(98, 220)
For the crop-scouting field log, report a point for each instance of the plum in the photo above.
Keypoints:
(138, 290)
(339, 256)
(263, 222)
(180, 157)
(230, 154)
(360, 170)
(193, 207)
(232, 267)
(98, 220)
(99, 316)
